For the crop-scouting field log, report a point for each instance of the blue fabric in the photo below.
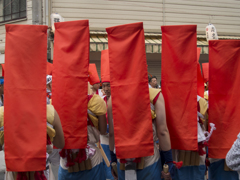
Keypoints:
(190, 173)
(216, 172)
(1, 81)
(96, 173)
(152, 172)
(113, 157)
(167, 157)
(107, 169)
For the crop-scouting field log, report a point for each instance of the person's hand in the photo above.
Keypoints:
(114, 174)
(166, 176)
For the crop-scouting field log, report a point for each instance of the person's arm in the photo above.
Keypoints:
(102, 124)
(164, 137)
(161, 124)
(233, 156)
(110, 122)
(111, 136)
(58, 140)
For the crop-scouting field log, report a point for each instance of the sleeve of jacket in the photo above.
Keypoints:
(233, 156)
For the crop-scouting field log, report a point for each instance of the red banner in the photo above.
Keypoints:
(93, 74)
(25, 130)
(205, 70)
(105, 74)
(70, 80)
(129, 85)
(200, 80)
(179, 84)
(2, 70)
(224, 96)
(49, 68)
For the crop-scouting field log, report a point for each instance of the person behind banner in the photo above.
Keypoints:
(54, 137)
(105, 77)
(105, 138)
(194, 161)
(221, 169)
(153, 82)
(87, 163)
(49, 89)
(151, 166)
(54, 157)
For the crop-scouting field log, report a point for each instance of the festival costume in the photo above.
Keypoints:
(194, 161)
(78, 164)
(134, 141)
(80, 159)
(104, 139)
(180, 89)
(148, 167)
(224, 64)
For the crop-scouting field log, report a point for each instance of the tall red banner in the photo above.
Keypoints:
(205, 70)
(25, 130)
(70, 80)
(224, 96)
(200, 80)
(129, 91)
(179, 84)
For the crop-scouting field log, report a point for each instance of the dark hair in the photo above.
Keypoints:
(150, 79)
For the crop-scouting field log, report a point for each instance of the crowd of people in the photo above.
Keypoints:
(117, 131)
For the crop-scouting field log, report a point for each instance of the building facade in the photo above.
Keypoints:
(153, 13)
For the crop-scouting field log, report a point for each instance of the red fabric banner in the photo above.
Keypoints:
(205, 70)
(2, 70)
(179, 84)
(49, 68)
(224, 96)
(105, 74)
(200, 80)
(93, 74)
(128, 71)
(70, 80)
(25, 130)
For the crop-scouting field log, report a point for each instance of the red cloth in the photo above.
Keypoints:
(205, 70)
(179, 84)
(105, 74)
(25, 98)
(128, 71)
(70, 84)
(2, 70)
(200, 80)
(49, 68)
(156, 98)
(224, 96)
(93, 75)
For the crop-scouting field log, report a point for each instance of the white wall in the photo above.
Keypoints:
(154, 13)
